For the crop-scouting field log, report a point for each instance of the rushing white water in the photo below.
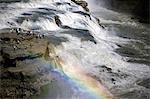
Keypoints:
(90, 44)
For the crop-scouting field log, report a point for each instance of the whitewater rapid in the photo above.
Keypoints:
(88, 45)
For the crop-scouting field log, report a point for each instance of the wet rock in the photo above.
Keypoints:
(21, 68)
(15, 85)
(82, 3)
(6, 61)
(98, 20)
(46, 54)
(112, 79)
(81, 33)
(83, 13)
(135, 94)
(12, 75)
(145, 83)
(59, 23)
(138, 8)
(105, 68)
(12, 1)
(57, 20)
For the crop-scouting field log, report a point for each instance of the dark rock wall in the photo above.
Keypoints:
(142, 10)
(139, 8)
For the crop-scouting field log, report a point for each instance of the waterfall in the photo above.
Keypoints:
(89, 49)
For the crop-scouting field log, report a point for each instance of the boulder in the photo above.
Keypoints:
(82, 3)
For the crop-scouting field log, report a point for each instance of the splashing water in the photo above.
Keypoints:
(89, 45)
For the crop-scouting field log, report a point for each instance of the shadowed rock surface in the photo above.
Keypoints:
(139, 8)
(23, 64)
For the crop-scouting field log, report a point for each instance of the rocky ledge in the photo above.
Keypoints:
(82, 3)
(24, 68)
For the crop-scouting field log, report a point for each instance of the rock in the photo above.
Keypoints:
(135, 94)
(82, 3)
(57, 20)
(145, 83)
(106, 68)
(46, 54)
(138, 8)
(113, 80)
(98, 20)
(20, 67)
(6, 61)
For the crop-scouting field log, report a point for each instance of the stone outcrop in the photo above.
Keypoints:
(82, 3)
(24, 64)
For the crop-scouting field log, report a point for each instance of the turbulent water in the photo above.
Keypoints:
(116, 51)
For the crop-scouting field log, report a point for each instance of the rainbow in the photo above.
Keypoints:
(77, 74)
(79, 77)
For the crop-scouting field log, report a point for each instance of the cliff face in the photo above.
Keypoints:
(139, 8)
(142, 10)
